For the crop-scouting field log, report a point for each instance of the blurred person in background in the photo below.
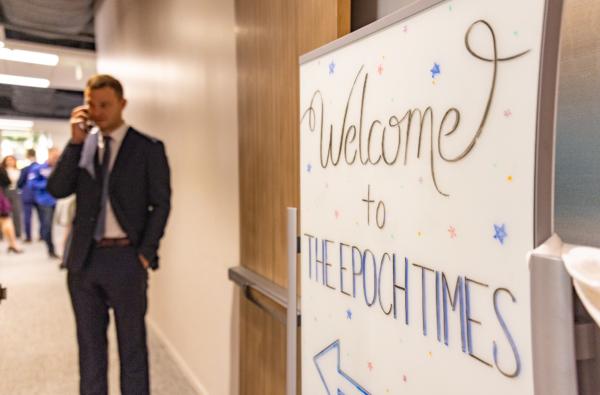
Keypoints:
(6, 223)
(64, 214)
(27, 197)
(38, 180)
(9, 163)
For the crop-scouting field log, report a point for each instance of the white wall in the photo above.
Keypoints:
(58, 130)
(177, 62)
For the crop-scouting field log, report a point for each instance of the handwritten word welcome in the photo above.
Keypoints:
(384, 140)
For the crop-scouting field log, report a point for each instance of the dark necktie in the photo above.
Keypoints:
(104, 172)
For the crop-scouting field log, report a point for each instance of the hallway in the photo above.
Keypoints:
(38, 353)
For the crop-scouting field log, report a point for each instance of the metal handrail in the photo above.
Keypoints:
(286, 298)
(248, 280)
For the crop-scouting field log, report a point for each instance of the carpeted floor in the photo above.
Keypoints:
(38, 349)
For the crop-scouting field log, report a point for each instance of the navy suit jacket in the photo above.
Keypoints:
(26, 192)
(139, 192)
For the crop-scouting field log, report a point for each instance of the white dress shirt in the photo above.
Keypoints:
(112, 229)
(13, 174)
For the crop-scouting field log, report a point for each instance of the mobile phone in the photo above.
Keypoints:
(87, 126)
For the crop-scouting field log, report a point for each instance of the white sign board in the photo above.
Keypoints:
(418, 146)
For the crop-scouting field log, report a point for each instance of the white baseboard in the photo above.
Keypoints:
(185, 369)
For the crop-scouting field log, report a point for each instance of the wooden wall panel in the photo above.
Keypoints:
(320, 22)
(267, 108)
(262, 348)
(271, 35)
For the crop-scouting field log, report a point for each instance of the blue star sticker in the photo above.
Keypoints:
(349, 314)
(308, 167)
(500, 233)
(435, 70)
(331, 68)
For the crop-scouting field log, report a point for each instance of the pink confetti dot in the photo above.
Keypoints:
(452, 232)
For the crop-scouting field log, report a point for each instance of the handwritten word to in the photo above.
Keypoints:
(379, 212)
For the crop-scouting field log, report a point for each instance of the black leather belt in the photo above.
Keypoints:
(120, 242)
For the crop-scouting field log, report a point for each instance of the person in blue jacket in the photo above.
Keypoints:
(38, 180)
(27, 197)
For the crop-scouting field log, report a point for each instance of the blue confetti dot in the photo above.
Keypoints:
(500, 233)
(435, 70)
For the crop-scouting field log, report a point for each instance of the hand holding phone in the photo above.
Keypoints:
(81, 124)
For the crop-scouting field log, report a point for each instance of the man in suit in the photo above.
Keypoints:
(121, 179)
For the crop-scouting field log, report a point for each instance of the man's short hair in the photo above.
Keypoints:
(100, 81)
(30, 153)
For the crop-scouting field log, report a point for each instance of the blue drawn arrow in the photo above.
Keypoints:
(325, 360)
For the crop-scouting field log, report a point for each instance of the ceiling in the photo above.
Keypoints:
(74, 67)
(61, 27)
(55, 22)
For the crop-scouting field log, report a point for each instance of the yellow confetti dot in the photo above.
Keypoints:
(429, 354)
(509, 178)
(419, 234)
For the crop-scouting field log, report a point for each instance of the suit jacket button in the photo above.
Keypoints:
(92, 219)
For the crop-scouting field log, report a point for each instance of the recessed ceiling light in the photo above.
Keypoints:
(15, 124)
(78, 72)
(24, 81)
(20, 55)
